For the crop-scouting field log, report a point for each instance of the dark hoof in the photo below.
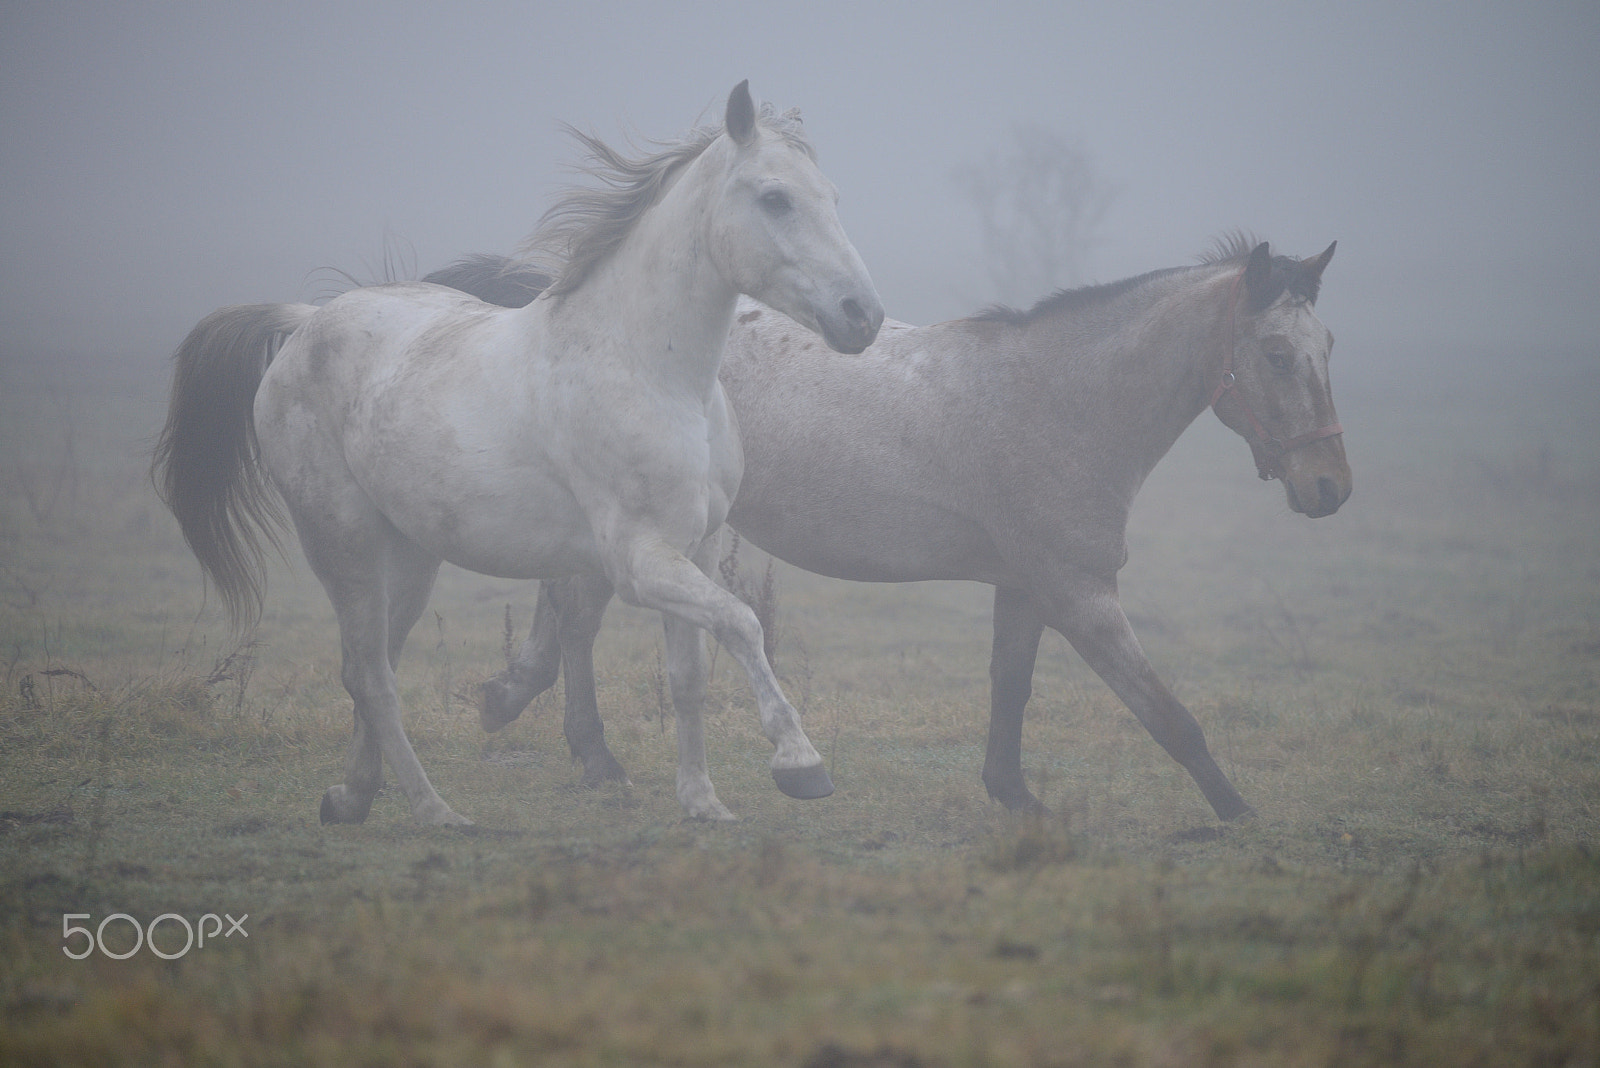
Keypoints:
(600, 770)
(1241, 815)
(1020, 799)
(1027, 806)
(496, 706)
(807, 784)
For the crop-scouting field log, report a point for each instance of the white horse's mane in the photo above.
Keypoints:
(586, 223)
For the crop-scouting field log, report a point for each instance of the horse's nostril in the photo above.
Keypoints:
(853, 313)
(1329, 491)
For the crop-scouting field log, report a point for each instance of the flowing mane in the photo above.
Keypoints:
(587, 223)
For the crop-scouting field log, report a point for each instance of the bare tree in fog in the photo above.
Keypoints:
(1040, 201)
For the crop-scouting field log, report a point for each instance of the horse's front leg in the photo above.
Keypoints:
(657, 576)
(1018, 627)
(1092, 619)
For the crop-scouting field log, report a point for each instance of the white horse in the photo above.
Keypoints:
(408, 424)
(1006, 448)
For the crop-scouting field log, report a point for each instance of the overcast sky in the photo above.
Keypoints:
(159, 160)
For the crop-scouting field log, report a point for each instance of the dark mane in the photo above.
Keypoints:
(1232, 248)
(1287, 274)
(1067, 300)
(493, 279)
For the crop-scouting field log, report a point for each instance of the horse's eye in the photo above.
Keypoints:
(1280, 361)
(775, 202)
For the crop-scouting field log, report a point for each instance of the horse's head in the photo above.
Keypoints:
(1274, 389)
(776, 233)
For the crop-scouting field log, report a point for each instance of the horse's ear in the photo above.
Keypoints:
(1315, 267)
(1258, 272)
(741, 117)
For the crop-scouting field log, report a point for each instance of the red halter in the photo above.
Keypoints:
(1267, 450)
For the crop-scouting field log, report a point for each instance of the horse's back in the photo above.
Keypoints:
(368, 329)
(381, 364)
(412, 401)
(854, 465)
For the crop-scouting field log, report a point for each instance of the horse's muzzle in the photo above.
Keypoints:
(1330, 494)
(853, 327)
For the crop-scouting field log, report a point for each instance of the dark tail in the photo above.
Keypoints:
(206, 467)
(493, 279)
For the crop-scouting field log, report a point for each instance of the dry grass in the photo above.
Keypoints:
(1408, 692)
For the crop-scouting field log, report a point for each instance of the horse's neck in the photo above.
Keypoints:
(658, 304)
(1141, 383)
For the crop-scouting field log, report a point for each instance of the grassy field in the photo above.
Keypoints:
(1407, 692)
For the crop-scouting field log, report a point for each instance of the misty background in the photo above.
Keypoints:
(159, 160)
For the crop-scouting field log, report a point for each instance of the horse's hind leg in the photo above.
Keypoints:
(351, 800)
(410, 576)
(534, 670)
(378, 583)
(580, 604)
(406, 595)
(1017, 630)
(562, 637)
(688, 671)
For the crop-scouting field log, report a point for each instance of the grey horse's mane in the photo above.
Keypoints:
(587, 223)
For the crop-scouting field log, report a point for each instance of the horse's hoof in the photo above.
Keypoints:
(1018, 798)
(807, 784)
(601, 769)
(439, 814)
(699, 801)
(496, 709)
(715, 812)
(1027, 805)
(339, 805)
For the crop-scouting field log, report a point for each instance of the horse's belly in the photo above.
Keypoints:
(527, 528)
(532, 559)
(868, 539)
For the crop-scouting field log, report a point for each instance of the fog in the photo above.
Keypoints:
(1409, 690)
(160, 160)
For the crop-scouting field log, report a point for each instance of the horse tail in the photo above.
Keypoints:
(206, 466)
(493, 279)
